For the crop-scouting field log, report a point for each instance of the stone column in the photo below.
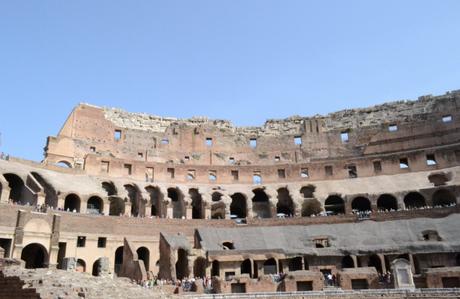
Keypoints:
(106, 208)
(41, 198)
(19, 234)
(54, 242)
(382, 262)
(83, 205)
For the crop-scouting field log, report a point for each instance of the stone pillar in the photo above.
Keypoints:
(83, 205)
(402, 274)
(188, 212)
(54, 242)
(4, 198)
(382, 262)
(128, 208)
(61, 202)
(106, 208)
(40, 198)
(207, 212)
(355, 260)
(169, 211)
(19, 235)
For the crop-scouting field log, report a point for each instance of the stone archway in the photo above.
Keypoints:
(361, 204)
(285, 203)
(387, 202)
(334, 205)
(199, 267)
(35, 256)
(197, 204)
(238, 206)
(260, 204)
(414, 200)
(72, 203)
(118, 260)
(177, 202)
(444, 197)
(117, 206)
(144, 254)
(16, 185)
(95, 205)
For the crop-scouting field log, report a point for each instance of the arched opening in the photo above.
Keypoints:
(197, 204)
(144, 254)
(97, 266)
(387, 202)
(64, 164)
(218, 210)
(135, 200)
(457, 260)
(261, 204)
(215, 270)
(414, 200)
(443, 197)
(295, 264)
(94, 205)
(361, 204)
(81, 266)
(311, 207)
(118, 259)
(374, 261)
(117, 206)
(285, 203)
(110, 188)
(35, 256)
(307, 191)
(216, 196)
(16, 185)
(270, 266)
(238, 206)
(199, 267)
(334, 205)
(72, 203)
(156, 201)
(348, 262)
(51, 198)
(177, 202)
(246, 267)
(181, 264)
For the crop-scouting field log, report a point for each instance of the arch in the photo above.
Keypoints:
(156, 201)
(72, 203)
(348, 262)
(94, 205)
(216, 196)
(97, 268)
(285, 203)
(118, 260)
(361, 204)
(177, 202)
(16, 185)
(414, 200)
(374, 261)
(51, 198)
(117, 206)
(218, 210)
(143, 254)
(63, 164)
(238, 207)
(197, 204)
(295, 263)
(307, 191)
(110, 188)
(261, 204)
(35, 256)
(443, 197)
(246, 267)
(215, 268)
(199, 267)
(182, 264)
(387, 202)
(334, 205)
(81, 266)
(311, 207)
(135, 199)
(270, 266)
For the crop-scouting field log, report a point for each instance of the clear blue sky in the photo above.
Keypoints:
(242, 60)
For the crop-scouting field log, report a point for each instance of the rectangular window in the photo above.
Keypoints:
(256, 178)
(393, 128)
(105, 166)
(171, 172)
(212, 175)
(92, 149)
(344, 137)
(231, 160)
(277, 158)
(235, 175)
(165, 141)
(352, 172)
(447, 118)
(117, 135)
(81, 241)
(149, 174)
(187, 158)
(140, 155)
(403, 163)
(208, 141)
(329, 171)
(281, 173)
(253, 142)
(101, 242)
(298, 140)
(377, 166)
(304, 173)
(431, 160)
(191, 174)
(128, 169)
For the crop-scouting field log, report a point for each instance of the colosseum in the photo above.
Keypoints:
(356, 203)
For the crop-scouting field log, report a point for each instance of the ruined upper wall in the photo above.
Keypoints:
(399, 111)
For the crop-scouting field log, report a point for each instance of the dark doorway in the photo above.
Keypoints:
(414, 200)
(197, 204)
(444, 197)
(261, 204)
(238, 206)
(361, 204)
(387, 202)
(72, 203)
(35, 256)
(118, 259)
(334, 205)
(246, 267)
(144, 254)
(177, 203)
(182, 264)
(285, 203)
(94, 205)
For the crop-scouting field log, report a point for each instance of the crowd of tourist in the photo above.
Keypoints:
(185, 284)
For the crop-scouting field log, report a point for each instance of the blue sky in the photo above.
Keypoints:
(242, 60)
